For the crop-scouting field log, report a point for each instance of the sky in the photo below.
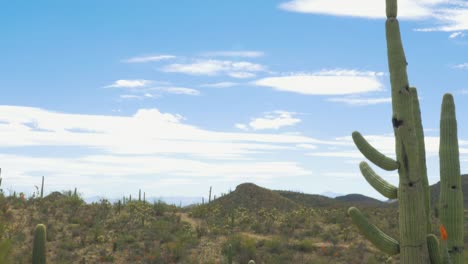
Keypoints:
(175, 96)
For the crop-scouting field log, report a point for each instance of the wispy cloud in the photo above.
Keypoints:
(462, 66)
(131, 96)
(149, 142)
(326, 82)
(144, 89)
(241, 126)
(360, 101)
(345, 148)
(457, 35)
(153, 58)
(449, 15)
(181, 90)
(220, 85)
(139, 96)
(129, 83)
(273, 120)
(235, 69)
(306, 146)
(241, 53)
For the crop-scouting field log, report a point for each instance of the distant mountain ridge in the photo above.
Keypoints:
(253, 198)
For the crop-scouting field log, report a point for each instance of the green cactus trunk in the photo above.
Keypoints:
(39, 248)
(451, 195)
(412, 189)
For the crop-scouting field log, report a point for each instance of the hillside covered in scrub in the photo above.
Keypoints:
(250, 223)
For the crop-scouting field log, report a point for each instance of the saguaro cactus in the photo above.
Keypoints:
(42, 187)
(209, 196)
(416, 245)
(39, 249)
(451, 195)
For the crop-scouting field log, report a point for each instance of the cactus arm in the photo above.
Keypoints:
(372, 154)
(434, 251)
(379, 184)
(451, 196)
(39, 250)
(381, 240)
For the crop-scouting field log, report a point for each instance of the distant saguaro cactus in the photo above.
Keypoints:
(42, 187)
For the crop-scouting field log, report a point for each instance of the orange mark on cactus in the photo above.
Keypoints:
(443, 232)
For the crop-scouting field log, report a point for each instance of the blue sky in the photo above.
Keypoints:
(175, 96)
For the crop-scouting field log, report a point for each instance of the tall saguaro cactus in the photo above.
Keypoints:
(451, 195)
(416, 244)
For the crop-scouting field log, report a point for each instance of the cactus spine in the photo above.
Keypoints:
(416, 245)
(39, 250)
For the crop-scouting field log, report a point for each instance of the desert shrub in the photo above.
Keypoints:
(274, 245)
(243, 248)
(305, 245)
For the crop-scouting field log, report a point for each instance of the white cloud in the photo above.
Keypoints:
(343, 175)
(242, 53)
(131, 96)
(152, 58)
(273, 120)
(235, 69)
(453, 19)
(113, 171)
(384, 143)
(360, 8)
(326, 82)
(181, 90)
(360, 101)
(457, 35)
(448, 15)
(147, 143)
(220, 85)
(306, 146)
(462, 66)
(129, 84)
(148, 131)
(241, 75)
(242, 127)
